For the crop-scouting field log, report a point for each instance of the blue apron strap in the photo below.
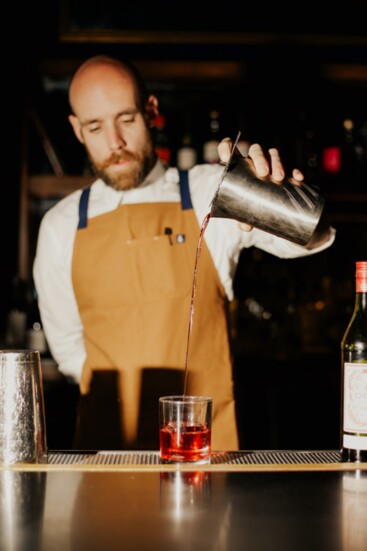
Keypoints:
(83, 208)
(185, 190)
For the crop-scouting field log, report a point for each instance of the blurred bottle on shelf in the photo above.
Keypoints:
(354, 154)
(35, 336)
(186, 153)
(212, 139)
(348, 156)
(344, 158)
(331, 166)
(360, 150)
(331, 155)
(161, 142)
(307, 154)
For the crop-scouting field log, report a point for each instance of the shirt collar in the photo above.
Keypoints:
(157, 172)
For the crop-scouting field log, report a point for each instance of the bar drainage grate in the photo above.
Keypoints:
(217, 458)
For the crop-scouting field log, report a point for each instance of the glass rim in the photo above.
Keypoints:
(20, 355)
(187, 399)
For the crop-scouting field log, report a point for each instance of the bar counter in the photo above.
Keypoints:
(245, 501)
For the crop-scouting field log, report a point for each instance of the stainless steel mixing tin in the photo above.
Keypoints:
(22, 412)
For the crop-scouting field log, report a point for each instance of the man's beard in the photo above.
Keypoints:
(140, 164)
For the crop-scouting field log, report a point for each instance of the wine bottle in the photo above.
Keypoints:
(354, 375)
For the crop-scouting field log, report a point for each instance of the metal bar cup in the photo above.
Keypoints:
(22, 413)
(289, 209)
(185, 429)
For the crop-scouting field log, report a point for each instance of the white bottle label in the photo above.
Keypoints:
(355, 405)
(186, 158)
(210, 151)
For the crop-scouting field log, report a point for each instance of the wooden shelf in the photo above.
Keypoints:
(351, 197)
(347, 207)
(47, 185)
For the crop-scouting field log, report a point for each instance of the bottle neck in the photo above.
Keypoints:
(361, 285)
(361, 301)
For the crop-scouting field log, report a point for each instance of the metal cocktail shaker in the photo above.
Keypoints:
(289, 209)
(22, 412)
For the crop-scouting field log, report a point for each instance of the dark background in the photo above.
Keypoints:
(289, 315)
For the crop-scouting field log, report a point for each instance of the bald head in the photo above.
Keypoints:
(104, 70)
(113, 116)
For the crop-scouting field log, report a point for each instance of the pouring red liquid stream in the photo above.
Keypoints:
(198, 251)
(193, 292)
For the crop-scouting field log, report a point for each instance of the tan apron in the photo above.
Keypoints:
(132, 273)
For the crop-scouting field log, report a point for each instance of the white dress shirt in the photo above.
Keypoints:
(52, 264)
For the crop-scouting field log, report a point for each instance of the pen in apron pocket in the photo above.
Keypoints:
(168, 231)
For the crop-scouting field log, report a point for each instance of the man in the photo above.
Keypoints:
(114, 269)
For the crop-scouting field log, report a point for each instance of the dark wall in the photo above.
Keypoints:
(14, 83)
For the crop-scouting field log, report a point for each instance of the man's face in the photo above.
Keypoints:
(113, 130)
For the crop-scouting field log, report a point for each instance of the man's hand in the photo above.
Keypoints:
(262, 166)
